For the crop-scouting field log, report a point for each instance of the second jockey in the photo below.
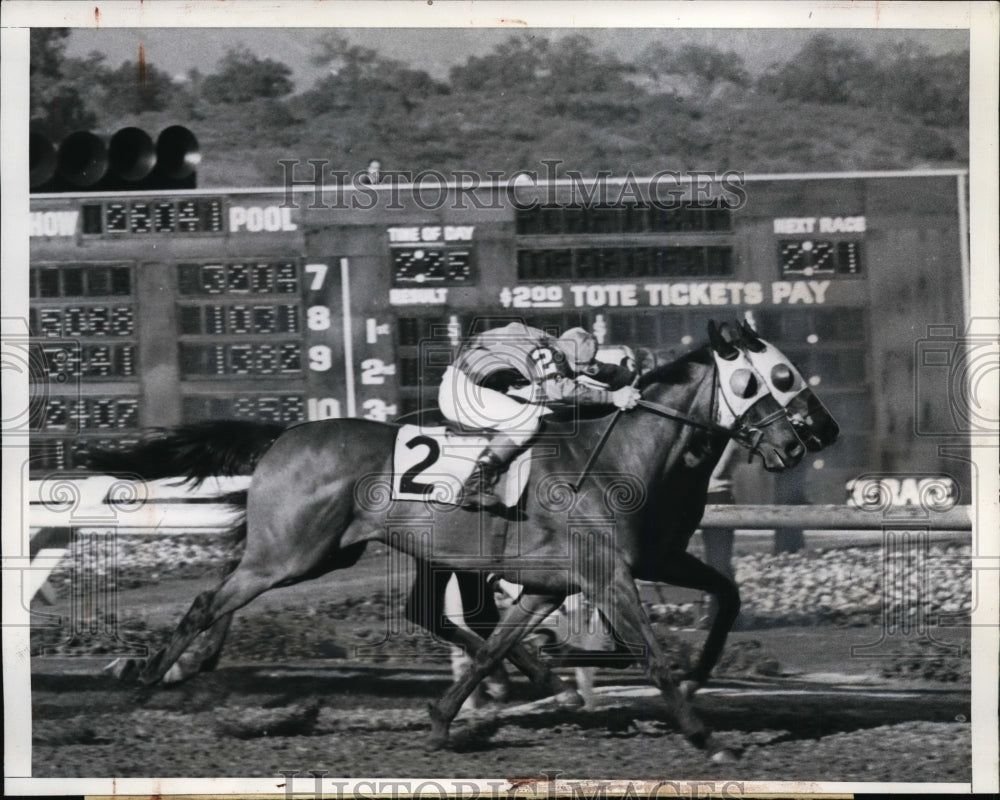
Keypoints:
(505, 378)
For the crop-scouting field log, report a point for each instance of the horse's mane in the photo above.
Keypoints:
(676, 371)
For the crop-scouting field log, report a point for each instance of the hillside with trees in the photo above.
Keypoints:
(830, 107)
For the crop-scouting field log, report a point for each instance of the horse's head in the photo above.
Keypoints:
(814, 425)
(748, 408)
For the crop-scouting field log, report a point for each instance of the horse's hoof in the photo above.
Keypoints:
(125, 670)
(175, 674)
(570, 698)
(724, 756)
(438, 738)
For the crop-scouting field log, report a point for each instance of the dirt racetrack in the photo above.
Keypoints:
(293, 692)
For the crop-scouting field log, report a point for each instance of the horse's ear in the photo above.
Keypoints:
(719, 343)
(750, 337)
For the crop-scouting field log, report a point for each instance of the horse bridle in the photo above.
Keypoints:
(745, 435)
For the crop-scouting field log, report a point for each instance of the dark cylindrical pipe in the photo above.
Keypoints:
(177, 154)
(42, 159)
(82, 159)
(131, 154)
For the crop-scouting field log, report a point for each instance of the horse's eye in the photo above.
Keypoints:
(743, 383)
(782, 378)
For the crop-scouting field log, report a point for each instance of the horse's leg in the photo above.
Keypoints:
(469, 602)
(425, 607)
(519, 621)
(203, 654)
(619, 601)
(209, 607)
(689, 572)
(485, 618)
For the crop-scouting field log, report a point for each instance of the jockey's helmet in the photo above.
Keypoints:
(579, 347)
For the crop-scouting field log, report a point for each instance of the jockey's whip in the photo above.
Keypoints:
(600, 443)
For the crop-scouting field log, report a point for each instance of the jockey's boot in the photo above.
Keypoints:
(478, 491)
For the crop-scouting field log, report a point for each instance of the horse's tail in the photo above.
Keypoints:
(192, 453)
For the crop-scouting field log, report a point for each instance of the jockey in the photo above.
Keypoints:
(503, 380)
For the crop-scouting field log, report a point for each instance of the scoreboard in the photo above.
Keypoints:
(161, 308)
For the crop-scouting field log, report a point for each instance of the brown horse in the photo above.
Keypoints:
(320, 492)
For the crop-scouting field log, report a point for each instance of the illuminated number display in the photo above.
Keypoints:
(820, 258)
(241, 359)
(243, 302)
(279, 408)
(201, 215)
(431, 265)
(63, 362)
(248, 278)
(87, 320)
(101, 336)
(67, 414)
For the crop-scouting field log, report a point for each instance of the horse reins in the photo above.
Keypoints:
(748, 436)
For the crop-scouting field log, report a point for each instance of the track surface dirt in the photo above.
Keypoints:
(294, 692)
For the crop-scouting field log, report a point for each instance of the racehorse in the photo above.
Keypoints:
(319, 493)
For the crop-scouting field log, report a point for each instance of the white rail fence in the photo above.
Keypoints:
(57, 506)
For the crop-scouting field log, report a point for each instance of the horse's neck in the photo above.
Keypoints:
(654, 446)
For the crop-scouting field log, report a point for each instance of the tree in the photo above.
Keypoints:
(360, 79)
(514, 65)
(57, 105)
(825, 70)
(709, 63)
(935, 89)
(134, 88)
(242, 77)
(575, 66)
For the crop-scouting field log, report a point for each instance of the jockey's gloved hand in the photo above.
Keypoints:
(625, 398)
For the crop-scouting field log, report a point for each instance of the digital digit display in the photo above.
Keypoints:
(275, 408)
(141, 218)
(263, 279)
(242, 359)
(68, 361)
(88, 413)
(187, 216)
(122, 321)
(162, 216)
(238, 319)
(83, 321)
(820, 258)
(115, 218)
(98, 321)
(286, 278)
(423, 265)
(238, 279)
(165, 217)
